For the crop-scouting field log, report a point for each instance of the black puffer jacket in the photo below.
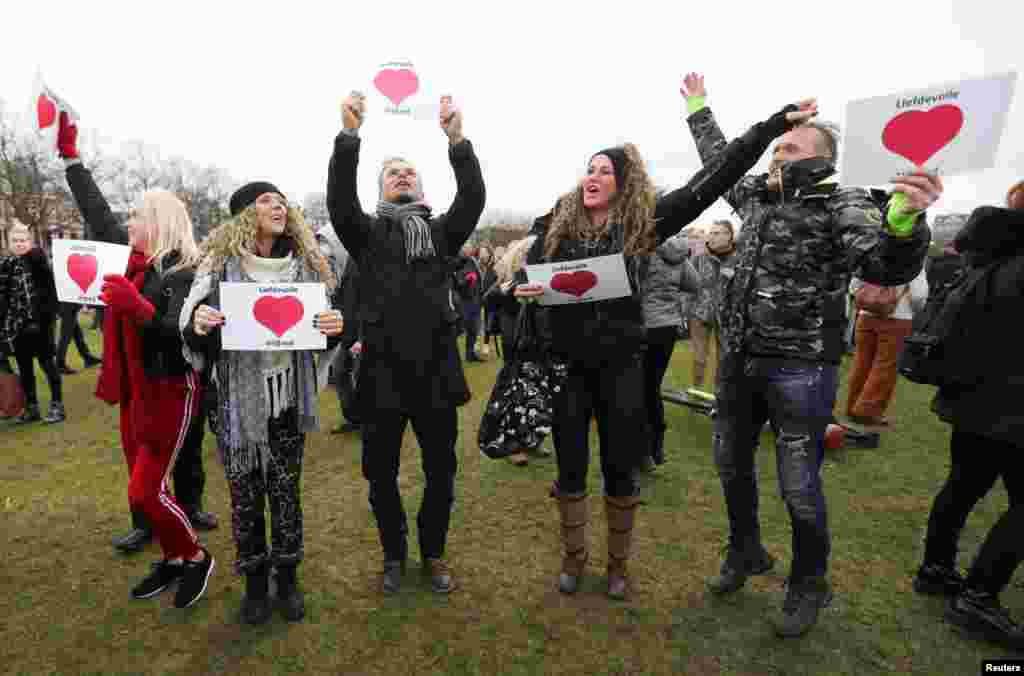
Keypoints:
(993, 408)
(161, 337)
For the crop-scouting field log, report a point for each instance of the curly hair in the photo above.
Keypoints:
(513, 260)
(237, 237)
(632, 206)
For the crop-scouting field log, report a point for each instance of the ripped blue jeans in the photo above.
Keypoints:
(796, 397)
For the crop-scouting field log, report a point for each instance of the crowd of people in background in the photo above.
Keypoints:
(771, 302)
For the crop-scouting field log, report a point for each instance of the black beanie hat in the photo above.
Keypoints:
(618, 157)
(248, 193)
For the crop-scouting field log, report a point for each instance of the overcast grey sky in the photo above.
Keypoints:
(256, 88)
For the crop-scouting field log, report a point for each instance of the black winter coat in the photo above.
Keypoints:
(993, 409)
(614, 329)
(161, 337)
(410, 360)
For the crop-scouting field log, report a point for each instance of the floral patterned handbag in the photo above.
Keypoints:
(520, 411)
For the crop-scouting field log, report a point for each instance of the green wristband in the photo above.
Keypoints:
(900, 220)
(695, 104)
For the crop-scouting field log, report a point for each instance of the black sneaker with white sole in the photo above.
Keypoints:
(162, 576)
(193, 581)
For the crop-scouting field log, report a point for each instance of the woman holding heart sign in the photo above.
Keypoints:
(145, 373)
(614, 211)
(267, 400)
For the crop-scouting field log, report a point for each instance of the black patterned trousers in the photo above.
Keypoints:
(279, 488)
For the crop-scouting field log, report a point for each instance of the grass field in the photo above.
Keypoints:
(65, 609)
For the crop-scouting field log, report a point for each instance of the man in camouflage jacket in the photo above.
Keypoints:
(782, 319)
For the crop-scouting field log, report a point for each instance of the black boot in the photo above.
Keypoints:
(804, 601)
(138, 537)
(290, 600)
(981, 614)
(739, 564)
(256, 602)
(938, 580)
(199, 519)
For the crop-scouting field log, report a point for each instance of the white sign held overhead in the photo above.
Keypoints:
(948, 129)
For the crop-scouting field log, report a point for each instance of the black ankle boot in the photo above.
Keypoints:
(256, 602)
(290, 600)
(138, 537)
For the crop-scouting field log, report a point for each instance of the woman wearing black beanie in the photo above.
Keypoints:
(614, 211)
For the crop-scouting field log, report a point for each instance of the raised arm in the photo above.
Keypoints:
(100, 222)
(682, 206)
(470, 196)
(350, 222)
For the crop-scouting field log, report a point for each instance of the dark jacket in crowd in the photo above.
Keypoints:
(669, 274)
(410, 359)
(993, 408)
(470, 293)
(161, 336)
(785, 293)
(503, 305)
(941, 268)
(614, 329)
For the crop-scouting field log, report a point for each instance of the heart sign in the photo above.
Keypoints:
(918, 134)
(82, 269)
(397, 84)
(278, 313)
(46, 111)
(574, 283)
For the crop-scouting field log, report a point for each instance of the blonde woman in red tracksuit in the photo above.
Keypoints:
(144, 369)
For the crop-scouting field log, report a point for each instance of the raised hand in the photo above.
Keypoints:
(921, 189)
(451, 120)
(808, 110)
(206, 319)
(693, 85)
(353, 110)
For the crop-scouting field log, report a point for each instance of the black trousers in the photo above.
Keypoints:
(188, 474)
(30, 347)
(661, 342)
(436, 431)
(613, 394)
(976, 463)
(71, 330)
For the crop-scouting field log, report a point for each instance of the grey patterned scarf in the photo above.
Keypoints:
(412, 217)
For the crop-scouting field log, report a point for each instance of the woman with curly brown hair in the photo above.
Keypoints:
(267, 400)
(614, 211)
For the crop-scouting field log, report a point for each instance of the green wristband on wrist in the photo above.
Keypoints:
(901, 219)
(695, 104)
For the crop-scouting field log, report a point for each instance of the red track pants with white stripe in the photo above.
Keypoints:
(153, 433)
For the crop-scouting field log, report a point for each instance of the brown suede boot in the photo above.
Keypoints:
(574, 511)
(621, 516)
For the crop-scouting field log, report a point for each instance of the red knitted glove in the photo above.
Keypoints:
(67, 138)
(121, 295)
(471, 278)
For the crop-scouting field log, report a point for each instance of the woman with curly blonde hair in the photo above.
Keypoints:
(267, 400)
(614, 211)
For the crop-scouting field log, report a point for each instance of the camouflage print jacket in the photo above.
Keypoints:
(784, 292)
(708, 298)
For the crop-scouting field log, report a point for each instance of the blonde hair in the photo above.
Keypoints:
(170, 229)
(237, 237)
(18, 226)
(1015, 196)
(513, 260)
(632, 207)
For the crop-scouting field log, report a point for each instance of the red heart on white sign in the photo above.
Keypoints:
(574, 283)
(82, 269)
(278, 313)
(918, 134)
(46, 111)
(397, 85)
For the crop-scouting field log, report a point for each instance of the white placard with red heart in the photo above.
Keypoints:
(79, 266)
(949, 129)
(581, 281)
(271, 317)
